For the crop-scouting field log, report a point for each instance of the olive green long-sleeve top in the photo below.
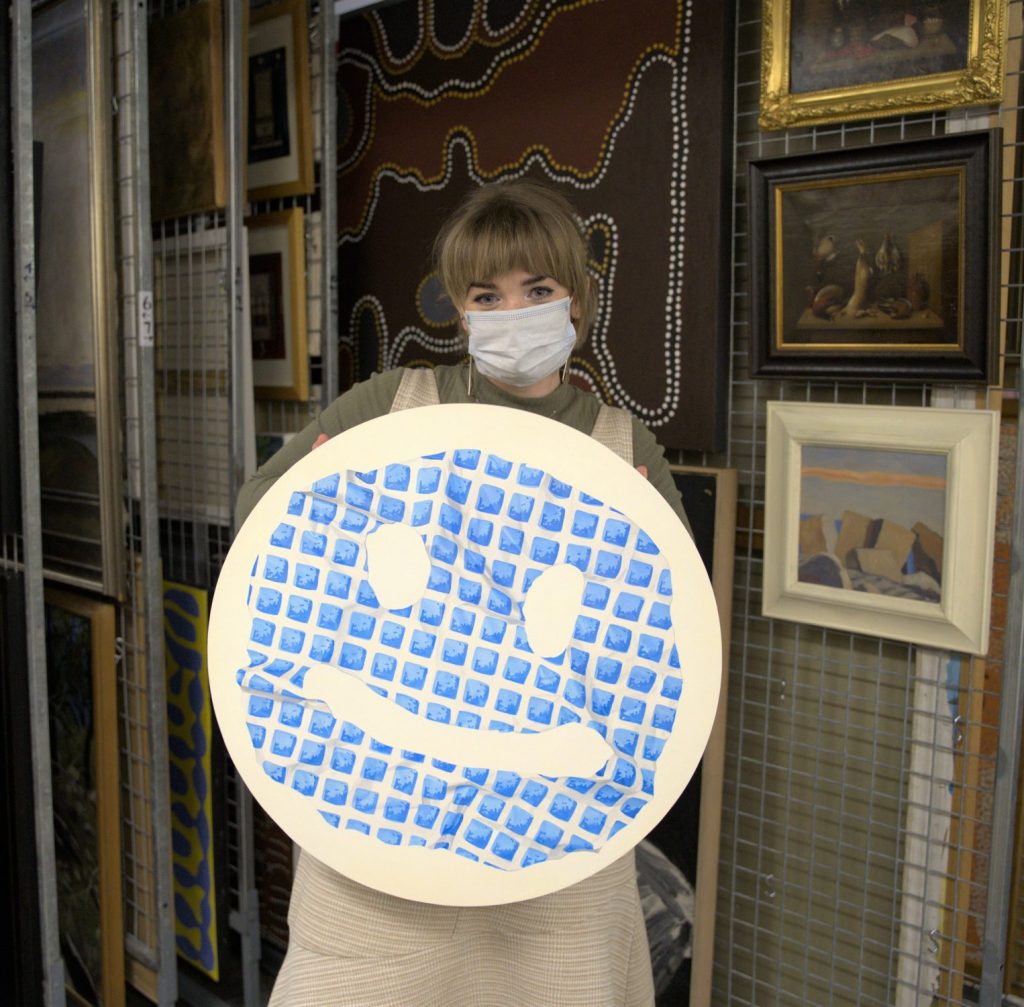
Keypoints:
(373, 398)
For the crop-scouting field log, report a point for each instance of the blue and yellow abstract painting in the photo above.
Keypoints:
(189, 730)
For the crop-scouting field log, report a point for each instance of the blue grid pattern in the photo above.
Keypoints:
(461, 656)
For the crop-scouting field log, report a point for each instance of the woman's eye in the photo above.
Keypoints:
(539, 293)
(485, 300)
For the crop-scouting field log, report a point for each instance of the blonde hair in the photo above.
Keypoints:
(506, 226)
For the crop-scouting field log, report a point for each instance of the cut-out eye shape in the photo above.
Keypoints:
(464, 655)
(551, 608)
(397, 566)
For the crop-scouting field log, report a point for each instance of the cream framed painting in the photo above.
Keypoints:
(880, 520)
(825, 62)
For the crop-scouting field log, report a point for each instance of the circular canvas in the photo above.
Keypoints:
(464, 655)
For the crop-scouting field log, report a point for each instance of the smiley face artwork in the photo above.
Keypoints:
(464, 655)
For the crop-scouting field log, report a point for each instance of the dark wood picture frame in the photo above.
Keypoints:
(84, 759)
(877, 262)
(689, 834)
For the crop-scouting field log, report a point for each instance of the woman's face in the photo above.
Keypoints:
(512, 291)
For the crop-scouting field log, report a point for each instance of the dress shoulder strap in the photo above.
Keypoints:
(614, 429)
(418, 387)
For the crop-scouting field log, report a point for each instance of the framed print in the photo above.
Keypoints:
(76, 333)
(877, 262)
(277, 302)
(688, 836)
(832, 62)
(280, 132)
(187, 163)
(880, 520)
(84, 754)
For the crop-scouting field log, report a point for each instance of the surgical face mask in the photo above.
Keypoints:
(521, 347)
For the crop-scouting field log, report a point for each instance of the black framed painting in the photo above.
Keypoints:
(877, 262)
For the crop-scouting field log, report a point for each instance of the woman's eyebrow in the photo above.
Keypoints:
(534, 279)
(486, 286)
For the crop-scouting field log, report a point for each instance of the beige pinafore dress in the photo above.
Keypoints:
(352, 946)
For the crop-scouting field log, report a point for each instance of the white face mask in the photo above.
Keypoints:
(521, 347)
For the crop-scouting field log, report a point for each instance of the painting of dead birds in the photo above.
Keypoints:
(877, 261)
(872, 520)
(872, 261)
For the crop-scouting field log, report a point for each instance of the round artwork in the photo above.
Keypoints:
(464, 655)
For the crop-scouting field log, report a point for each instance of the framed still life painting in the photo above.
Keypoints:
(880, 520)
(824, 61)
(877, 262)
(280, 131)
(277, 300)
(84, 754)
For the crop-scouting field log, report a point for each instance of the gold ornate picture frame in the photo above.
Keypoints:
(820, 64)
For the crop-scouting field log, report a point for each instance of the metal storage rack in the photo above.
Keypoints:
(830, 733)
(809, 902)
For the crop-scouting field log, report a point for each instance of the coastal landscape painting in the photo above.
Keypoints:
(873, 520)
(880, 520)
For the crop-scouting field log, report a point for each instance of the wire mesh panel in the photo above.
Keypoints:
(149, 931)
(860, 772)
(276, 421)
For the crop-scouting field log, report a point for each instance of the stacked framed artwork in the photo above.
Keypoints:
(879, 262)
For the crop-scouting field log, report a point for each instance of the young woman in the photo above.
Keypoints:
(514, 263)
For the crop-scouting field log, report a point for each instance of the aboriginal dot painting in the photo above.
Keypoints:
(459, 655)
(624, 113)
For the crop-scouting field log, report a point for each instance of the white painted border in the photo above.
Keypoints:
(435, 876)
(970, 441)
